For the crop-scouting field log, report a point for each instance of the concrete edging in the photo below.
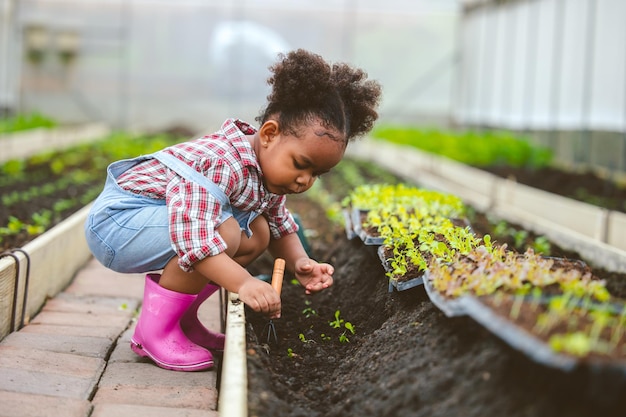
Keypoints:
(55, 257)
(27, 143)
(233, 393)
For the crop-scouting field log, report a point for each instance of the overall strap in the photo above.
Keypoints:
(192, 175)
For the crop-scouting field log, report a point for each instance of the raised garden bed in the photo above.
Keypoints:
(26, 143)
(40, 269)
(593, 231)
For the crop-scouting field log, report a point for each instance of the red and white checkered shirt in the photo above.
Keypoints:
(227, 159)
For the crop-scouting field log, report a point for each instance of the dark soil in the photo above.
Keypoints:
(24, 210)
(406, 358)
(583, 186)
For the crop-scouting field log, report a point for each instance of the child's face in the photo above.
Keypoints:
(291, 164)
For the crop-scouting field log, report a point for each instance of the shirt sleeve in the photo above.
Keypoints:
(280, 220)
(194, 216)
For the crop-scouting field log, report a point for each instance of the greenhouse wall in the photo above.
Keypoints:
(152, 64)
(553, 69)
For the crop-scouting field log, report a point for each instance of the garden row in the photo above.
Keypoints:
(50, 192)
(511, 155)
(39, 191)
(594, 232)
(552, 309)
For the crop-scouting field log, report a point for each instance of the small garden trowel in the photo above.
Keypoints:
(277, 284)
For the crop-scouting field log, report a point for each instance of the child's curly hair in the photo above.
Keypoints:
(305, 87)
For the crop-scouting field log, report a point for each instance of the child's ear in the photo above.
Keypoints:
(268, 132)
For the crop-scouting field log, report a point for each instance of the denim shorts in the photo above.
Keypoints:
(129, 233)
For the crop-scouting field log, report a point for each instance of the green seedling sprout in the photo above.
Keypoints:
(336, 324)
(541, 245)
(308, 311)
(349, 327)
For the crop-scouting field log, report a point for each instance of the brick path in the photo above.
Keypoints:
(74, 360)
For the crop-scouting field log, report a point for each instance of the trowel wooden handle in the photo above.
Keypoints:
(277, 275)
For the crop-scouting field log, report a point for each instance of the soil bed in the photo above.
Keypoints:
(406, 358)
(583, 186)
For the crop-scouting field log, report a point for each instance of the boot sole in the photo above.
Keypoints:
(139, 350)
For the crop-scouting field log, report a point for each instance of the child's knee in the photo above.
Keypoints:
(231, 234)
(260, 232)
(256, 244)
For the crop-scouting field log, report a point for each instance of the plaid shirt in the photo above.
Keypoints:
(227, 159)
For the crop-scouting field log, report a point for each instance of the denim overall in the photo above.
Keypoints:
(129, 233)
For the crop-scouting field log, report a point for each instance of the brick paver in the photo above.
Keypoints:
(127, 410)
(73, 359)
(26, 405)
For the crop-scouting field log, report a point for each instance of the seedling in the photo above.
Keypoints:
(349, 327)
(542, 245)
(336, 324)
(308, 311)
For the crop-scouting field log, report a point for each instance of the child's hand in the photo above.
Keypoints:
(313, 276)
(261, 297)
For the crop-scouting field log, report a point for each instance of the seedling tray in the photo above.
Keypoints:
(395, 284)
(517, 337)
(451, 307)
(358, 228)
(349, 227)
(405, 285)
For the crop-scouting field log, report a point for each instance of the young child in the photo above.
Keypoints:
(204, 209)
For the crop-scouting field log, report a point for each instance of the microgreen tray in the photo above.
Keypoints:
(395, 284)
(347, 218)
(405, 285)
(451, 307)
(516, 337)
(358, 228)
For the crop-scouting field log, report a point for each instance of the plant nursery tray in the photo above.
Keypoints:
(383, 259)
(357, 226)
(395, 284)
(451, 307)
(516, 337)
(609, 372)
(347, 218)
(405, 285)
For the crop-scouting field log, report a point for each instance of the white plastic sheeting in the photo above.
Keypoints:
(544, 65)
(8, 80)
(154, 63)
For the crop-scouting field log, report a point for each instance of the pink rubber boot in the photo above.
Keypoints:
(193, 327)
(158, 334)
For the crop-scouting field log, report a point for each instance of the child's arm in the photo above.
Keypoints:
(257, 294)
(312, 275)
